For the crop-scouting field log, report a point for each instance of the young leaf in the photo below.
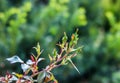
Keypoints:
(51, 59)
(37, 48)
(14, 59)
(64, 39)
(64, 62)
(74, 39)
(40, 59)
(25, 67)
(30, 62)
(54, 52)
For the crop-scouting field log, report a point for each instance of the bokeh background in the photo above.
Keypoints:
(23, 23)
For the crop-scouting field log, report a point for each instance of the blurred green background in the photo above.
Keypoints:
(23, 23)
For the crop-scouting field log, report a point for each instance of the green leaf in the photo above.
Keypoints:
(41, 77)
(74, 39)
(37, 48)
(64, 39)
(51, 59)
(64, 62)
(55, 52)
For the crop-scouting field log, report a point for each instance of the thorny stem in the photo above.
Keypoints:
(33, 75)
(52, 65)
(49, 69)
